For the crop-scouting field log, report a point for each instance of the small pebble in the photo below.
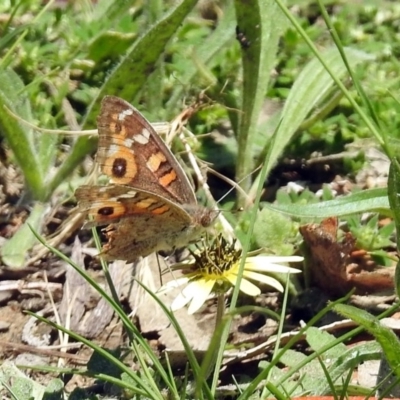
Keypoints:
(4, 326)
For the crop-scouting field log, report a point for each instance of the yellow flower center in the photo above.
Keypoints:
(218, 259)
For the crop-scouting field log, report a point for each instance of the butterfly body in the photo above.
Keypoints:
(149, 204)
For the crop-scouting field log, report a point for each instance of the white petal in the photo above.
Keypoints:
(264, 279)
(265, 265)
(172, 285)
(180, 301)
(187, 294)
(200, 294)
(245, 286)
(279, 259)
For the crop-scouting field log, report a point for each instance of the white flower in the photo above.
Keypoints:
(216, 269)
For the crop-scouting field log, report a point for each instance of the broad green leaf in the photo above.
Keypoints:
(109, 44)
(54, 388)
(291, 358)
(19, 137)
(14, 251)
(21, 385)
(385, 336)
(313, 372)
(365, 201)
(310, 373)
(256, 21)
(318, 339)
(338, 360)
(310, 88)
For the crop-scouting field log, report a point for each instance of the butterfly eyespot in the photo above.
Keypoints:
(119, 167)
(106, 211)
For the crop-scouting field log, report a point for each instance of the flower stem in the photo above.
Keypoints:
(220, 309)
(218, 319)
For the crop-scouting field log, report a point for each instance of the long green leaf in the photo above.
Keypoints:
(18, 136)
(310, 88)
(260, 24)
(127, 79)
(365, 201)
(258, 36)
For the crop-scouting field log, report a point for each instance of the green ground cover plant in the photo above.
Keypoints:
(328, 73)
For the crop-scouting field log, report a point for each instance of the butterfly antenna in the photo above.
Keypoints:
(235, 185)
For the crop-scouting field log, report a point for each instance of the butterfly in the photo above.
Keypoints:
(149, 204)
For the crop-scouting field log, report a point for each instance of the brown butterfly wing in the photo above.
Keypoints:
(141, 222)
(112, 203)
(149, 203)
(131, 153)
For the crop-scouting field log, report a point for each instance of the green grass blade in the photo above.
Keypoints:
(144, 387)
(11, 35)
(130, 326)
(115, 305)
(328, 378)
(275, 391)
(354, 77)
(352, 100)
(208, 361)
(188, 350)
(259, 22)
